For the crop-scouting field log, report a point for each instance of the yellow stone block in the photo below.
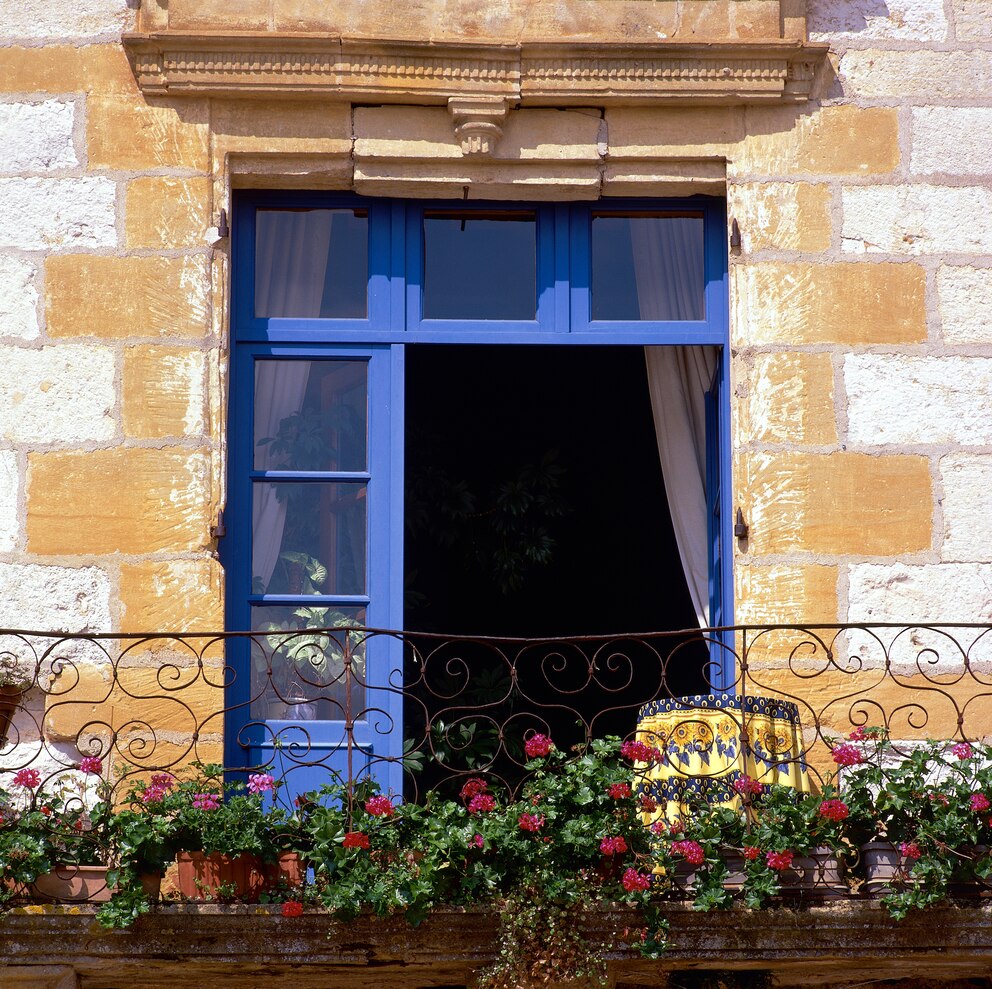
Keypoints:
(838, 503)
(844, 302)
(164, 392)
(173, 596)
(121, 133)
(89, 295)
(785, 216)
(93, 69)
(280, 126)
(167, 212)
(119, 501)
(167, 696)
(788, 398)
(695, 132)
(839, 140)
(785, 593)
(245, 15)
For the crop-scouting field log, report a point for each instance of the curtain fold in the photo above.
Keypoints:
(290, 266)
(668, 259)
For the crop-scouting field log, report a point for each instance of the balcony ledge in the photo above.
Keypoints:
(243, 946)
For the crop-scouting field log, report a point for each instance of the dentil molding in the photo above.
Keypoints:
(266, 65)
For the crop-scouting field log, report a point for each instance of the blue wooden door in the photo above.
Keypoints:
(315, 483)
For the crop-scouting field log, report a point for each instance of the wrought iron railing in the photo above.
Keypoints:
(423, 712)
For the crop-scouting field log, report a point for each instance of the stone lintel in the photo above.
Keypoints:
(253, 65)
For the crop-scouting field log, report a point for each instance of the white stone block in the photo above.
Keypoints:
(933, 76)
(36, 137)
(917, 219)
(39, 214)
(927, 594)
(918, 400)
(863, 20)
(9, 486)
(967, 504)
(62, 393)
(53, 19)
(952, 140)
(965, 295)
(49, 598)
(18, 299)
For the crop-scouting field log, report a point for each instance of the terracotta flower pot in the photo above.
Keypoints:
(816, 876)
(882, 867)
(684, 875)
(289, 867)
(72, 884)
(201, 876)
(10, 701)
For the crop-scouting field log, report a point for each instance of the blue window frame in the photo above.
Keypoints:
(398, 266)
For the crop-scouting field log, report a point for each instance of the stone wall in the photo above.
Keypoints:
(862, 358)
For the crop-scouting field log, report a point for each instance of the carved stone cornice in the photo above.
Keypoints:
(530, 74)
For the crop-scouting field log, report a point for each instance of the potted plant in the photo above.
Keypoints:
(921, 813)
(17, 676)
(228, 839)
(53, 834)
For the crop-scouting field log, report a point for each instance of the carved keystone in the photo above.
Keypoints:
(478, 122)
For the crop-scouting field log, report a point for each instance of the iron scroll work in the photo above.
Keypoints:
(149, 703)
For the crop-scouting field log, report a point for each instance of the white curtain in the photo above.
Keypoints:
(668, 261)
(290, 263)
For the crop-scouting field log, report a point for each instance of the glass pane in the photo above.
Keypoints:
(298, 672)
(312, 263)
(647, 267)
(311, 415)
(480, 265)
(308, 538)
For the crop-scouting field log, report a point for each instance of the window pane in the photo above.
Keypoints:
(312, 263)
(308, 538)
(298, 672)
(311, 415)
(647, 267)
(480, 265)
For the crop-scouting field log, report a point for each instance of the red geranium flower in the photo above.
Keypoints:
(619, 791)
(379, 806)
(751, 853)
(482, 803)
(780, 861)
(538, 746)
(531, 822)
(834, 810)
(292, 908)
(473, 787)
(355, 839)
(633, 880)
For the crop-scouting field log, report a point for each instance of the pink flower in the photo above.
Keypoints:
(647, 803)
(379, 806)
(473, 787)
(858, 735)
(613, 846)
(292, 908)
(637, 751)
(206, 801)
(846, 754)
(748, 786)
(780, 861)
(531, 822)
(538, 746)
(619, 791)
(482, 803)
(691, 851)
(633, 880)
(979, 802)
(910, 850)
(28, 778)
(91, 764)
(355, 839)
(659, 827)
(163, 781)
(152, 794)
(260, 783)
(834, 810)
(751, 853)
(963, 750)
(477, 842)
